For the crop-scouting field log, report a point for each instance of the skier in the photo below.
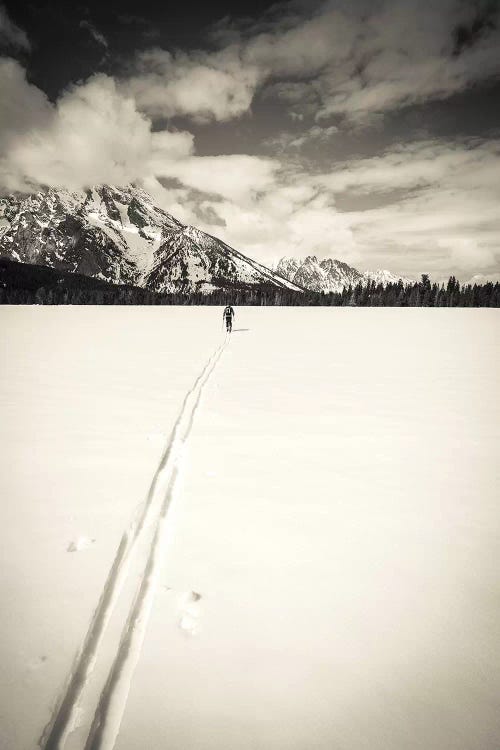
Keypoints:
(228, 316)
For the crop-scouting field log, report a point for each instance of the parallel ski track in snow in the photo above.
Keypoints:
(113, 699)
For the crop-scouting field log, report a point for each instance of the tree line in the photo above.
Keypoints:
(25, 284)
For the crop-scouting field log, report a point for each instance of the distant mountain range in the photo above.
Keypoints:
(119, 235)
(330, 275)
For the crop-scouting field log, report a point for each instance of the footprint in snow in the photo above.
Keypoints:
(189, 613)
(36, 663)
(82, 543)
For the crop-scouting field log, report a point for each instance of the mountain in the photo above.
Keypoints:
(386, 277)
(119, 235)
(330, 275)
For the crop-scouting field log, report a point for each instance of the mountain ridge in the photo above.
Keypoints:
(119, 235)
(331, 275)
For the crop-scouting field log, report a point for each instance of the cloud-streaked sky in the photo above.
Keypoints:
(366, 130)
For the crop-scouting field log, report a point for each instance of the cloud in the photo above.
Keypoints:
(96, 35)
(362, 58)
(307, 47)
(437, 207)
(464, 163)
(280, 218)
(204, 86)
(208, 215)
(348, 60)
(236, 177)
(467, 254)
(481, 278)
(279, 225)
(313, 135)
(92, 134)
(407, 57)
(11, 36)
(441, 212)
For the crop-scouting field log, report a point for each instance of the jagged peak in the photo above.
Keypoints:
(119, 234)
(331, 274)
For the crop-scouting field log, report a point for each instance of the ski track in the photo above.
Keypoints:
(113, 700)
(64, 718)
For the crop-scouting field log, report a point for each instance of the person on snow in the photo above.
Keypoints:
(228, 316)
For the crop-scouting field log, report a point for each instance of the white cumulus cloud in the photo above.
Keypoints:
(204, 86)
(92, 134)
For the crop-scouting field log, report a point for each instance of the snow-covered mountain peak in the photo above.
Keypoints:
(105, 231)
(385, 277)
(327, 275)
(330, 274)
(120, 235)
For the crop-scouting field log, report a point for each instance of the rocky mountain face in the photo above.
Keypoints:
(330, 275)
(120, 235)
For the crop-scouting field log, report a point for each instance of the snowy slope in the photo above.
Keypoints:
(329, 577)
(203, 263)
(329, 275)
(104, 232)
(119, 235)
(326, 276)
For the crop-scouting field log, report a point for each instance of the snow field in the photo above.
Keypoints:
(336, 518)
(89, 443)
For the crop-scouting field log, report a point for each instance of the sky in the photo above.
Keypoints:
(363, 130)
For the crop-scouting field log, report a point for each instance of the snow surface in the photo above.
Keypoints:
(330, 573)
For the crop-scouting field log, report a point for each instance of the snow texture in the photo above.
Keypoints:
(329, 575)
(82, 543)
(113, 699)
